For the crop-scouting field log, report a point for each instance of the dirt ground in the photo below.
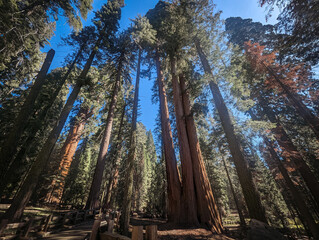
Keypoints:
(170, 232)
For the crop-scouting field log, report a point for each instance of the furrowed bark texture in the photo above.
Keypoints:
(173, 179)
(67, 153)
(206, 205)
(188, 204)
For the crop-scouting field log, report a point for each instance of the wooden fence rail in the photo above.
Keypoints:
(43, 225)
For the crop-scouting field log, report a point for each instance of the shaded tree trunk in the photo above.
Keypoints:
(93, 199)
(188, 203)
(300, 203)
(283, 189)
(12, 141)
(251, 195)
(127, 198)
(23, 196)
(206, 205)
(17, 161)
(240, 213)
(67, 153)
(116, 162)
(296, 102)
(173, 178)
(290, 152)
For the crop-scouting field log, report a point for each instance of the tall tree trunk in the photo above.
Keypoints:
(115, 164)
(6, 178)
(206, 205)
(239, 210)
(12, 141)
(75, 165)
(188, 204)
(93, 199)
(23, 196)
(300, 203)
(67, 153)
(290, 152)
(283, 188)
(174, 188)
(127, 198)
(295, 100)
(251, 195)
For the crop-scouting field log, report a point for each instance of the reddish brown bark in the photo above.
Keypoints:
(206, 205)
(189, 213)
(67, 153)
(173, 178)
(251, 195)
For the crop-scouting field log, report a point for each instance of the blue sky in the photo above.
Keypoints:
(148, 111)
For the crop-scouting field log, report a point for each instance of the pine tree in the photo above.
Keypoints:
(20, 201)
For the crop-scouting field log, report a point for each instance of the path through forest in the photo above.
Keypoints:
(165, 231)
(77, 233)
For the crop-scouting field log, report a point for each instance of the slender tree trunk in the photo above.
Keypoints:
(188, 204)
(93, 199)
(12, 141)
(115, 164)
(206, 205)
(251, 195)
(300, 203)
(67, 153)
(127, 198)
(23, 196)
(240, 213)
(290, 152)
(296, 102)
(283, 189)
(173, 178)
(17, 161)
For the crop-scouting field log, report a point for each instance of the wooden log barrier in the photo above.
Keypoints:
(27, 228)
(151, 232)
(95, 228)
(137, 233)
(75, 217)
(110, 225)
(47, 223)
(3, 225)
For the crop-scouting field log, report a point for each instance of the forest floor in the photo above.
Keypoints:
(169, 232)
